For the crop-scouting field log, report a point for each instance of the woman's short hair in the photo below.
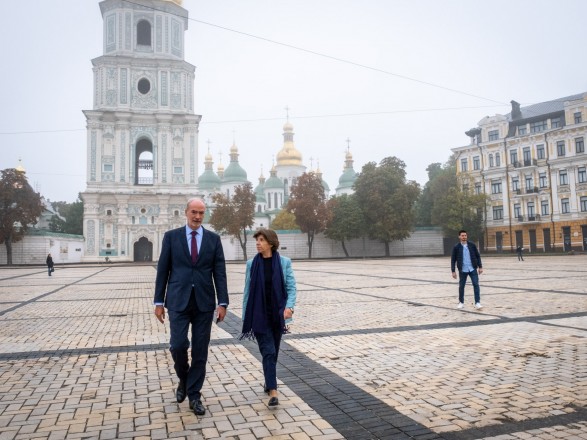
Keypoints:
(270, 237)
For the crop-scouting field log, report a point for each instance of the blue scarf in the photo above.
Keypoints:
(255, 315)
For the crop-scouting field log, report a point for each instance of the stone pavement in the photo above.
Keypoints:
(378, 350)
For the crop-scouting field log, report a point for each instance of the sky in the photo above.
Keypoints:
(402, 78)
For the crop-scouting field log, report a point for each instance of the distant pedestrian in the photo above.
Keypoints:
(519, 251)
(49, 262)
(468, 261)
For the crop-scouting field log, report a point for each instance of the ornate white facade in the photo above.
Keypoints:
(142, 133)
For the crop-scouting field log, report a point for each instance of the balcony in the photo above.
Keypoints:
(525, 163)
(528, 218)
(532, 190)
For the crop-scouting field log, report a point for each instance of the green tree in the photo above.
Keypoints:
(234, 216)
(425, 201)
(73, 213)
(20, 207)
(284, 221)
(308, 204)
(387, 200)
(346, 220)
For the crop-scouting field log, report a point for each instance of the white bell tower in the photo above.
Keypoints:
(142, 133)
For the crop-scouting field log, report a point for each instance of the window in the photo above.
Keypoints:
(515, 183)
(537, 127)
(555, 123)
(527, 156)
(477, 188)
(517, 210)
(522, 129)
(583, 202)
(579, 145)
(497, 160)
(529, 182)
(581, 175)
(108, 212)
(560, 148)
(496, 187)
(544, 207)
(540, 151)
(144, 33)
(108, 167)
(464, 166)
(176, 213)
(563, 177)
(514, 157)
(491, 163)
(493, 135)
(177, 170)
(565, 206)
(531, 210)
(498, 213)
(476, 163)
(542, 180)
(578, 117)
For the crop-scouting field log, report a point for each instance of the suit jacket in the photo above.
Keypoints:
(457, 256)
(290, 284)
(176, 275)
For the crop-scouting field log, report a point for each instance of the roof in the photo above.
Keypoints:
(544, 108)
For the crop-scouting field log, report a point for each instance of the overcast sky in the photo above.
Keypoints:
(398, 78)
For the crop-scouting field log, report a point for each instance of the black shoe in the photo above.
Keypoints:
(198, 408)
(274, 401)
(181, 392)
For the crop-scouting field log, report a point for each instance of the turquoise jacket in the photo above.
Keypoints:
(290, 284)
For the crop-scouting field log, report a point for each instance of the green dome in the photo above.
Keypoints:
(234, 173)
(274, 182)
(208, 180)
(347, 178)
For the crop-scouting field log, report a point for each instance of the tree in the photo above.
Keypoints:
(346, 220)
(425, 201)
(387, 200)
(234, 216)
(20, 207)
(308, 204)
(450, 204)
(285, 221)
(74, 217)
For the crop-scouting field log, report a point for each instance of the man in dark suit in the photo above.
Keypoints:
(468, 261)
(191, 276)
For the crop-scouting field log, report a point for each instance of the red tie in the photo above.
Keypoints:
(194, 248)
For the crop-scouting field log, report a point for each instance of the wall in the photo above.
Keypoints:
(34, 247)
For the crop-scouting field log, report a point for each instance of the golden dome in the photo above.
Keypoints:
(288, 155)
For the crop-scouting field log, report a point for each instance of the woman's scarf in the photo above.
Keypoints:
(255, 316)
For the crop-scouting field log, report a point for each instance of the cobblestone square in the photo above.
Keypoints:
(378, 350)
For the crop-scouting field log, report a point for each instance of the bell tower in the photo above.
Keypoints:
(142, 133)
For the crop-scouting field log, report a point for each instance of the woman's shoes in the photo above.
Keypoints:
(274, 401)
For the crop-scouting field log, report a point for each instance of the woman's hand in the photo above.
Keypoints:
(287, 313)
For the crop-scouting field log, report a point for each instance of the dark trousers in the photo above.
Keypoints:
(269, 348)
(50, 269)
(474, 280)
(193, 375)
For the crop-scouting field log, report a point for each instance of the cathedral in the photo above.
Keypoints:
(142, 139)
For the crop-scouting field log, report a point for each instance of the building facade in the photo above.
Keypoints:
(531, 163)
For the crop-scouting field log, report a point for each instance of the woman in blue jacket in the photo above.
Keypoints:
(268, 304)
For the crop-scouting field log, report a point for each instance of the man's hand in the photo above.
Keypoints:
(454, 275)
(287, 313)
(480, 270)
(160, 313)
(220, 313)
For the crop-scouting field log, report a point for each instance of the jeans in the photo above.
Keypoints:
(49, 268)
(269, 348)
(463, 280)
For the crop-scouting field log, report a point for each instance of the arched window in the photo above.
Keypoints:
(144, 33)
(144, 163)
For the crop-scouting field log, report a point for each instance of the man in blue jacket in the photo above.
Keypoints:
(191, 277)
(468, 261)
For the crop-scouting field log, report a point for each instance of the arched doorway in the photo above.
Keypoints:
(143, 250)
(144, 162)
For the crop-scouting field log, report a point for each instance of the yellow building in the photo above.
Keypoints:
(532, 165)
